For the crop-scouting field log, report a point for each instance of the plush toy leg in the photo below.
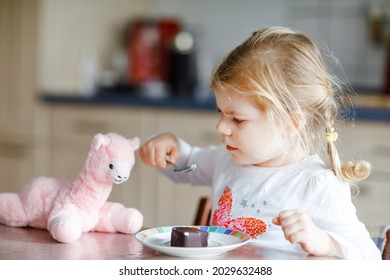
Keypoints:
(12, 210)
(114, 217)
(65, 227)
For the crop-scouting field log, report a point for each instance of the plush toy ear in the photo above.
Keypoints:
(99, 141)
(134, 142)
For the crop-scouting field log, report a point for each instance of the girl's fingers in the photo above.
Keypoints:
(174, 154)
(276, 221)
(153, 152)
(293, 223)
(144, 155)
(288, 217)
(161, 157)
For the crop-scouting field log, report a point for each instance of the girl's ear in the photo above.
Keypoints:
(298, 120)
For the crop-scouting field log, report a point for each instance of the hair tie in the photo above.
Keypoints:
(330, 136)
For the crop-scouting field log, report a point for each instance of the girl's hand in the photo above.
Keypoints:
(299, 228)
(154, 151)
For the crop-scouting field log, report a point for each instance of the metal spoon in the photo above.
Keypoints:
(184, 169)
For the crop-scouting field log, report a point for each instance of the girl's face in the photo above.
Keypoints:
(250, 137)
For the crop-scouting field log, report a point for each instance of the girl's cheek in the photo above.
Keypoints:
(248, 136)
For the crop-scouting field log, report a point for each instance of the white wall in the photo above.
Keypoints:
(340, 25)
(75, 29)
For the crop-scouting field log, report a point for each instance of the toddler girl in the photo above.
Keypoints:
(277, 105)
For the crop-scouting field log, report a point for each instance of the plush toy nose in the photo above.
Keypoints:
(121, 172)
(119, 179)
(124, 178)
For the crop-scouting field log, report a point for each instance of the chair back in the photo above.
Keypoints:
(386, 249)
(203, 214)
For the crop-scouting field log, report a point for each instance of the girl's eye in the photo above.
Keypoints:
(237, 120)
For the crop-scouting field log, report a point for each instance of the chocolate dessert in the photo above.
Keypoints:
(189, 237)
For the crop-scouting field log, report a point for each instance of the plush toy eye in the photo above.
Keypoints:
(111, 166)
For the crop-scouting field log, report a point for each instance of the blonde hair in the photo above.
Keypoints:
(285, 72)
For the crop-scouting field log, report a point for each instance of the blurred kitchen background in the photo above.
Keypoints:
(72, 68)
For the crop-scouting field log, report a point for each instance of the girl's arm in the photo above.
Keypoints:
(153, 153)
(205, 160)
(328, 226)
(299, 228)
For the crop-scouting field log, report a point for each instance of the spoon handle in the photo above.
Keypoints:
(180, 170)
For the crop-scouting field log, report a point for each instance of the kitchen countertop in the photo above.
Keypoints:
(181, 103)
(372, 101)
(370, 107)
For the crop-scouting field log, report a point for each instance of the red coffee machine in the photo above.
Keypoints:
(148, 47)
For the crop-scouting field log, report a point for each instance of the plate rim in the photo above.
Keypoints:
(199, 251)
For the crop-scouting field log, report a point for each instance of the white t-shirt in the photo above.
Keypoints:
(247, 198)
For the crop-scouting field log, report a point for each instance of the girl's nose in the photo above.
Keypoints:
(223, 128)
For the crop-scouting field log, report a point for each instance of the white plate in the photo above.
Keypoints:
(220, 240)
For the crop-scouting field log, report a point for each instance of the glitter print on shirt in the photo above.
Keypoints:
(223, 217)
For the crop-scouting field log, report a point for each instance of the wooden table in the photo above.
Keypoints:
(36, 244)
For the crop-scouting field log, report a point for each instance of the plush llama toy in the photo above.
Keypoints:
(67, 209)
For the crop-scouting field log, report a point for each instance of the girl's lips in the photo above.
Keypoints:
(230, 148)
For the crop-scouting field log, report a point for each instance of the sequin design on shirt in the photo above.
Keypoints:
(223, 217)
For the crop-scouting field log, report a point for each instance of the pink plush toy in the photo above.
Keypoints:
(67, 209)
